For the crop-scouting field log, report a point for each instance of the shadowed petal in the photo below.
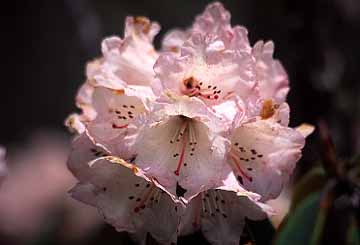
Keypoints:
(220, 215)
(124, 196)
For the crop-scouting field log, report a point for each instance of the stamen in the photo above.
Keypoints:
(182, 130)
(181, 159)
(179, 132)
(215, 203)
(160, 195)
(222, 202)
(155, 197)
(144, 199)
(221, 197)
(192, 135)
(203, 203)
(237, 164)
(209, 204)
(175, 136)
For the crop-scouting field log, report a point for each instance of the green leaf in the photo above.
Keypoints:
(300, 225)
(312, 182)
(353, 237)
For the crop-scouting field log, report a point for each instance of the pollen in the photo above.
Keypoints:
(268, 109)
(144, 22)
(190, 83)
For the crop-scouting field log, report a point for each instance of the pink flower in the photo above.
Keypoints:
(124, 196)
(204, 119)
(220, 215)
(264, 152)
(270, 74)
(121, 68)
(128, 63)
(3, 168)
(113, 123)
(180, 147)
(206, 69)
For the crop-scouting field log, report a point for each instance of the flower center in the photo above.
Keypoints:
(192, 87)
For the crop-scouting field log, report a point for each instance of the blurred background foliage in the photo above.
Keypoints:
(47, 43)
(325, 206)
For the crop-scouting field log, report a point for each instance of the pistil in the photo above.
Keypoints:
(182, 154)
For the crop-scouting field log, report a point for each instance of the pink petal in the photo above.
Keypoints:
(174, 39)
(207, 70)
(130, 61)
(220, 215)
(172, 105)
(180, 152)
(113, 127)
(75, 123)
(84, 102)
(126, 198)
(270, 74)
(264, 154)
(3, 168)
(214, 21)
(127, 61)
(305, 129)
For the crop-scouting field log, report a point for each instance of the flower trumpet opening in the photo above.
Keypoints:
(192, 87)
(183, 151)
(185, 140)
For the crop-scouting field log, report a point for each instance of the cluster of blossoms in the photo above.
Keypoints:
(192, 137)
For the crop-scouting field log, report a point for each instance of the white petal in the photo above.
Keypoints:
(172, 105)
(207, 70)
(271, 75)
(84, 102)
(130, 61)
(84, 193)
(305, 129)
(125, 197)
(264, 154)
(113, 126)
(75, 123)
(173, 40)
(181, 152)
(220, 215)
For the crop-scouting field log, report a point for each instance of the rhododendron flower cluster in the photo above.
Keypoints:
(191, 137)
